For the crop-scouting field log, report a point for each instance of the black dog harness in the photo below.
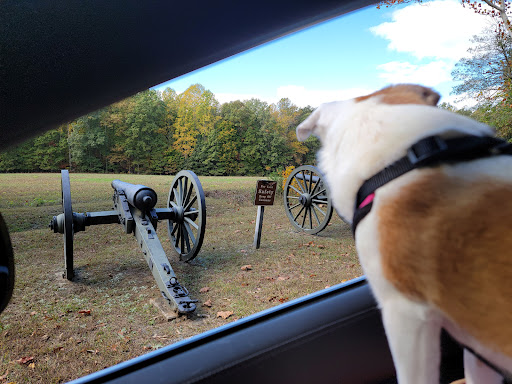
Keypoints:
(428, 152)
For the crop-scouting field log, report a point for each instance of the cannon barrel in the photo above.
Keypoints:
(307, 177)
(139, 196)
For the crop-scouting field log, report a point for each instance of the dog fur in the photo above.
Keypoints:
(436, 247)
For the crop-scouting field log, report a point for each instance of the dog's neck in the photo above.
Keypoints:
(358, 146)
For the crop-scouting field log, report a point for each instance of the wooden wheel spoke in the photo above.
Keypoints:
(299, 184)
(295, 189)
(310, 182)
(189, 204)
(295, 218)
(304, 217)
(188, 192)
(177, 236)
(188, 220)
(174, 228)
(316, 186)
(176, 196)
(180, 189)
(322, 212)
(316, 216)
(190, 232)
(182, 238)
(185, 235)
(294, 206)
(318, 193)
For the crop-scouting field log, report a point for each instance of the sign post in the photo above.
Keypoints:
(265, 193)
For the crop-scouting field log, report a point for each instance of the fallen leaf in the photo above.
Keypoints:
(57, 349)
(224, 314)
(4, 376)
(93, 351)
(282, 300)
(158, 337)
(243, 251)
(283, 278)
(33, 313)
(25, 360)
(85, 312)
(313, 275)
(204, 289)
(146, 347)
(32, 365)
(207, 303)
(247, 267)
(321, 246)
(238, 230)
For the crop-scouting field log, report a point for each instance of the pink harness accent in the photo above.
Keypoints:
(367, 200)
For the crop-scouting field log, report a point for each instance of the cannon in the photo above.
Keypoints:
(306, 200)
(134, 208)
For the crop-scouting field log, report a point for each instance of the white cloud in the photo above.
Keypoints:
(227, 97)
(299, 95)
(438, 29)
(431, 74)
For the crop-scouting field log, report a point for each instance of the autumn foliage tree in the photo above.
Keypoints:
(164, 132)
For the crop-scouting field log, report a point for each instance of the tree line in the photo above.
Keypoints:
(164, 132)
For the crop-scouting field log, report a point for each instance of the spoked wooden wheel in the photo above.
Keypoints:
(6, 266)
(68, 224)
(306, 200)
(186, 231)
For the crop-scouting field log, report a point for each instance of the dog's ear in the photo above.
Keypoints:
(404, 94)
(311, 126)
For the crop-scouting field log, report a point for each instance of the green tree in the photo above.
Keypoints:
(145, 132)
(88, 143)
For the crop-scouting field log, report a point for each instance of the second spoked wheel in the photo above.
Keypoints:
(187, 199)
(306, 200)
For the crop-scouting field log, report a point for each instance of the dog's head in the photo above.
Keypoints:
(361, 136)
(324, 116)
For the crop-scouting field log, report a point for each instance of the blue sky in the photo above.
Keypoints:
(348, 56)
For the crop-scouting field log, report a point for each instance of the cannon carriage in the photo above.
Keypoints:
(134, 208)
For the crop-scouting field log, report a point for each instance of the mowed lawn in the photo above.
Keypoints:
(55, 330)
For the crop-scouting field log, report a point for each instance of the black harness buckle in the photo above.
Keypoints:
(429, 148)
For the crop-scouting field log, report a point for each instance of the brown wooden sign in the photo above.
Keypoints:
(265, 192)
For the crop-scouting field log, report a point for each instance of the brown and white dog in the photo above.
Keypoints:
(436, 246)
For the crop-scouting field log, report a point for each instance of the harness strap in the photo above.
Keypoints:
(428, 152)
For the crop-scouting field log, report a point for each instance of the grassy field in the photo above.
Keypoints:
(55, 330)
